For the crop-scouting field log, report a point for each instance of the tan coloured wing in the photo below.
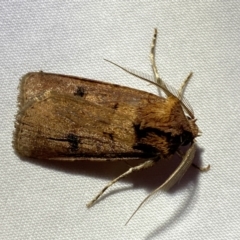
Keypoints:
(110, 95)
(58, 126)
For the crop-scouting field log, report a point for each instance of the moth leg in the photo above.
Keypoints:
(201, 169)
(174, 177)
(144, 165)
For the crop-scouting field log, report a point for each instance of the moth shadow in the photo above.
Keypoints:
(148, 179)
(191, 177)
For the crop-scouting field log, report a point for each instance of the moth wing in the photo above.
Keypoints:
(110, 95)
(60, 126)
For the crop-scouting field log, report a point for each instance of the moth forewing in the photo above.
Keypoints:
(62, 126)
(102, 93)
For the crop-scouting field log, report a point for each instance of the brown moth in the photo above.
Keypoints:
(69, 118)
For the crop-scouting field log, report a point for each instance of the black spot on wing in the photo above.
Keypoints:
(73, 141)
(80, 92)
(115, 106)
(109, 135)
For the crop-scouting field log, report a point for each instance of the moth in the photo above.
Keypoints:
(70, 118)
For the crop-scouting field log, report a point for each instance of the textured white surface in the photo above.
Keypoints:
(42, 200)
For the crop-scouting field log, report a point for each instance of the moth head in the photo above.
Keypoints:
(194, 128)
(188, 137)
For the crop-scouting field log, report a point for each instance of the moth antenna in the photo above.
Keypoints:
(140, 205)
(183, 86)
(174, 177)
(157, 81)
(162, 83)
(157, 77)
(153, 60)
(142, 76)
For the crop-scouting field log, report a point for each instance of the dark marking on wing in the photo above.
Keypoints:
(109, 135)
(73, 141)
(115, 106)
(80, 91)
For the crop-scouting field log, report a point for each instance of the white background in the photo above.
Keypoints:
(46, 200)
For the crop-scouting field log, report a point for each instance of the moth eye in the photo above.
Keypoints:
(186, 138)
